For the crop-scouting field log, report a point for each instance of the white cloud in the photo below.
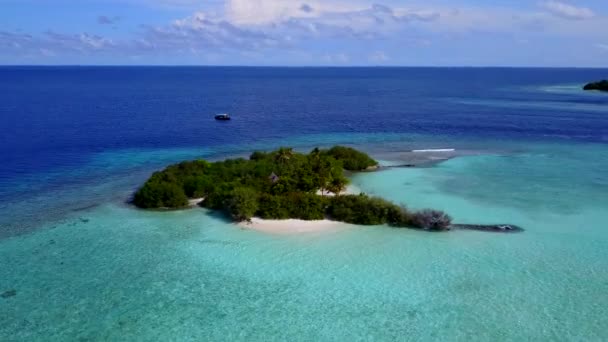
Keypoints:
(51, 44)
(254, 27)
(568, 11)
(314, 16)
(279, 23)
(266, 12)
(202, 31)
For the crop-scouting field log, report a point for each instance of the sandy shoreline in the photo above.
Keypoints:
(291, 226)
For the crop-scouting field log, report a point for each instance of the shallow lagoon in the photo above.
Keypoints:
(115, 273)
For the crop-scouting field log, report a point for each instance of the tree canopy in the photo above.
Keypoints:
(279, 185)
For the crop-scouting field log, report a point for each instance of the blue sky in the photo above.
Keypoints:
(305, 32)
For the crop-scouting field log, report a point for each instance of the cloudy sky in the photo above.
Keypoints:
(305, 32)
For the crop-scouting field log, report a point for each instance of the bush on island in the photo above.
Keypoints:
(242, 203)
(279, 185)
(160, 194)
(431, 220)
(278, 173)
(351, 159)
(364, 210)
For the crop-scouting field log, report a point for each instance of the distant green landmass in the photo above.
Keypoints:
(282, 184)
(601, 85)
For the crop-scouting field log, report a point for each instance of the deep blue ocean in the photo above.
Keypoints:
(58, 116)
(76, 141)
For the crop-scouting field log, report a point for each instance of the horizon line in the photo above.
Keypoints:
(304, 66)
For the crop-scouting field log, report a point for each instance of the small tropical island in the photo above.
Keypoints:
(600, 85)
(285, 184)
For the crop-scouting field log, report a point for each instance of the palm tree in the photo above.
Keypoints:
(315, 156)
(324, 174)
(337, 185)
(284, 154)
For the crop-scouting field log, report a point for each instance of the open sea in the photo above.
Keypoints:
(77, 263)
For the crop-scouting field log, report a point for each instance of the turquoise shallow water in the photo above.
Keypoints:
(114, 273)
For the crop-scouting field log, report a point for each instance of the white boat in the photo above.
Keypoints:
(223, 116)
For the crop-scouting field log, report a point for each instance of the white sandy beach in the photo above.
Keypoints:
(292, 226)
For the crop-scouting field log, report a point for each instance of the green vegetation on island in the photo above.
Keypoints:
(282, 184)
(601, 85)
